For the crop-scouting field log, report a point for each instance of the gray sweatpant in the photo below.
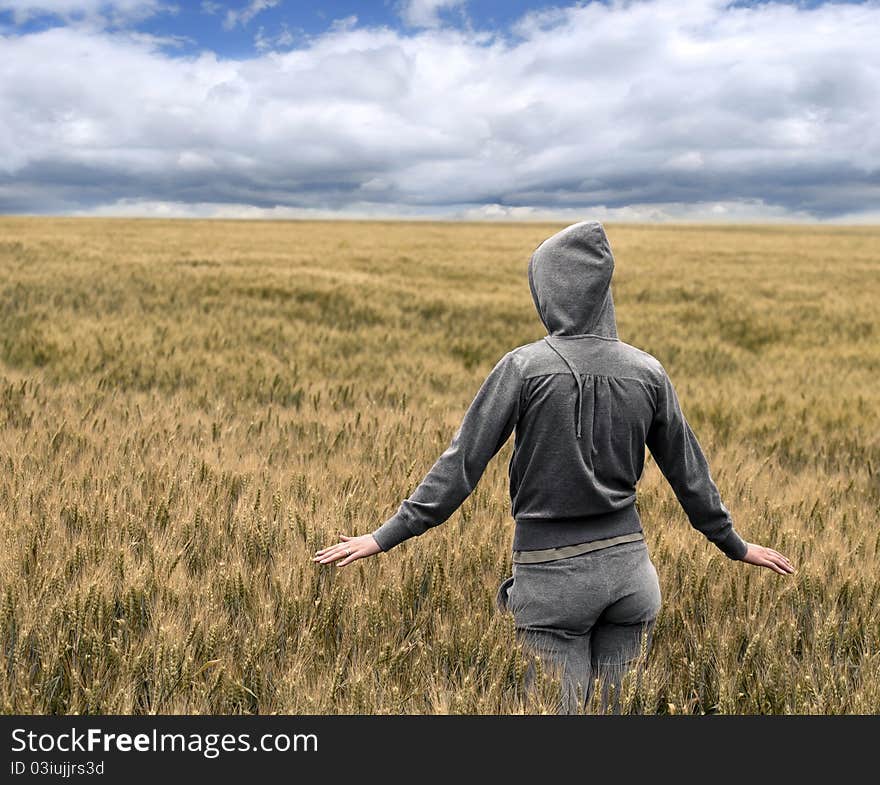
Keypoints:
(585, 616)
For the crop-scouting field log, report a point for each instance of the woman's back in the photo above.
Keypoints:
(611, 390)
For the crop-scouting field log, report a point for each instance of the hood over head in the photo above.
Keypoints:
(570, 278)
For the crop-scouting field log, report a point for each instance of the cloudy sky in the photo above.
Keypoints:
(641, 110)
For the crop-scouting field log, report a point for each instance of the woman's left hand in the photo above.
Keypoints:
(349, 550)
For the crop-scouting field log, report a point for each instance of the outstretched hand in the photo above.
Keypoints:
(349, 550)
(767, 557)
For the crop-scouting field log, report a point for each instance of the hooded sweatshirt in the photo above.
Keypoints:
(583, 405)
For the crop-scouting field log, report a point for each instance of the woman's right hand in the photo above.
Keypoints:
(767, 557)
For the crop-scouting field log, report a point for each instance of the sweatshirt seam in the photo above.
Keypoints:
(515, 359)
(587, 335)
(730, 539)
(601, 375)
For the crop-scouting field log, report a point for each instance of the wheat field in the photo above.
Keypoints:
(189, 409)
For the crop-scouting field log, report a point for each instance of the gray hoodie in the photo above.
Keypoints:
(583, 405)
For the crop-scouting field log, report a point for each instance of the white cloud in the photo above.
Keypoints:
(284, 39)
(345, 23)
(138, 208)
(717, 212)
(244, 15)
(690, 161)
(101, 12)
(425, 13)
(638, 108)
(701, 212)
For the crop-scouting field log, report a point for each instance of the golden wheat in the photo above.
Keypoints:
(188, 409)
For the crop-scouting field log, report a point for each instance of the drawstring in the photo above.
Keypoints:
(578, 381)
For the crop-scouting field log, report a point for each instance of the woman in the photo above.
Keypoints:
(584, 593)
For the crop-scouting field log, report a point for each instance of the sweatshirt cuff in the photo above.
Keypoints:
(393, 532)
(733, 546)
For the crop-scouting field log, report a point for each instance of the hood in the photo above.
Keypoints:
(570, 278)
